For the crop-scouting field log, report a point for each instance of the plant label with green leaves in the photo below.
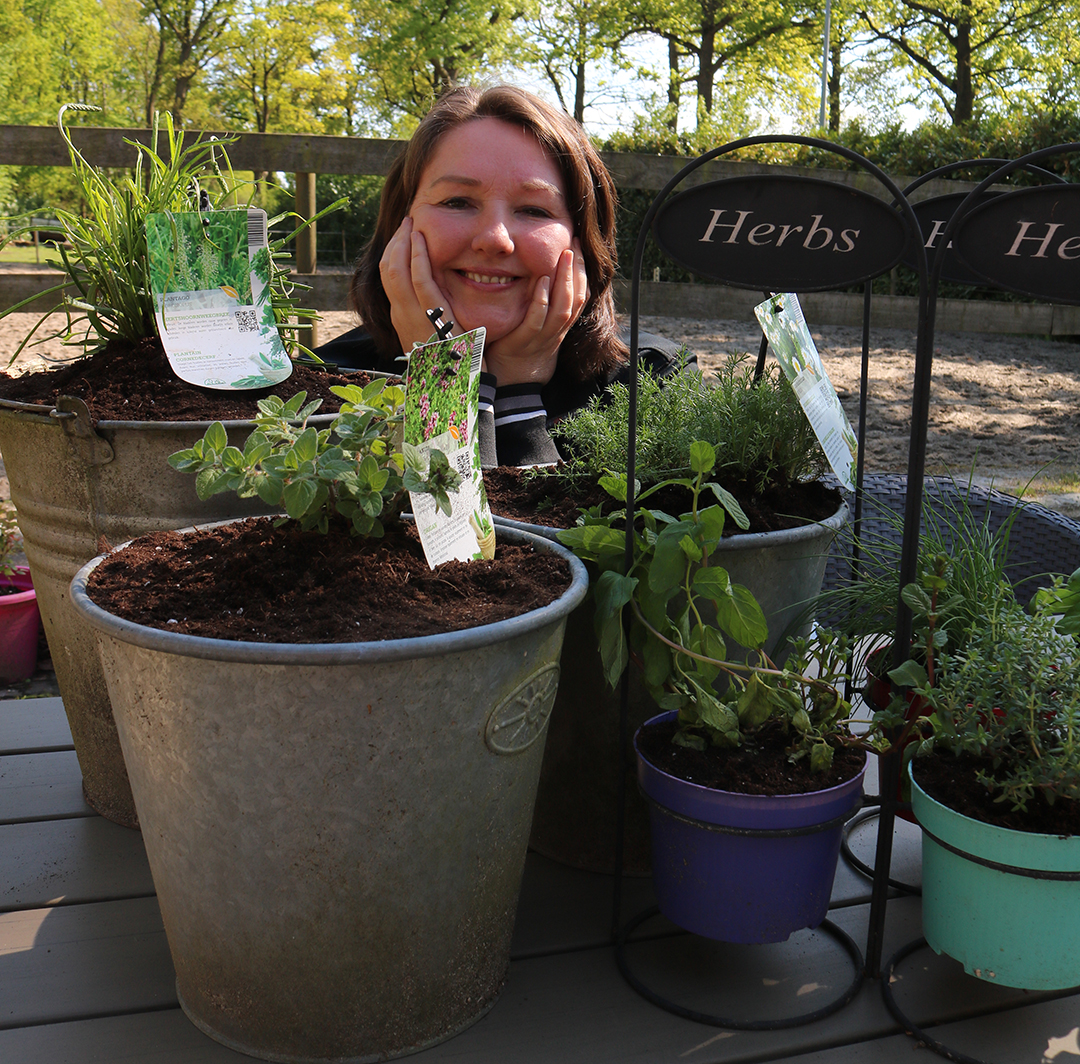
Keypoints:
(442, 401)
(785, 327)
(210, 275)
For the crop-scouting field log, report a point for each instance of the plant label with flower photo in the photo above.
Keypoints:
(442, 402)
(210, 275)
(784, 326)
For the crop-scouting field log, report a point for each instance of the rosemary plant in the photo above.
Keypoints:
(759, 431)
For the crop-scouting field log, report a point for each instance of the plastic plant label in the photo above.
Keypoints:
(785, 328)
(210, 274)
(442, 401)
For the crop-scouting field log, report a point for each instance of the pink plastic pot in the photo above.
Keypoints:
(19, 623)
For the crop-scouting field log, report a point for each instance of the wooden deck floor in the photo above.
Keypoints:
(85, 973)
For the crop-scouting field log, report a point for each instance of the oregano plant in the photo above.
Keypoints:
(357, 468)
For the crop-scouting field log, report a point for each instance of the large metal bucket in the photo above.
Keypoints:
(78, 488)
(577, 803)
(337, 832)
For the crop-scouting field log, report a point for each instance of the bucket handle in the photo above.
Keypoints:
(74, 417)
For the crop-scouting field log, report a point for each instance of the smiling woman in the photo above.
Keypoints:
(500, 211)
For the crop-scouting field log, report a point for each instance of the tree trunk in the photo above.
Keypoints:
(673, 95)
(835, 71)
(964, 107)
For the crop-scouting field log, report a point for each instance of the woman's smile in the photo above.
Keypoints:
(492, 210)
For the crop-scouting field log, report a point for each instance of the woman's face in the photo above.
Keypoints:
(492, 209)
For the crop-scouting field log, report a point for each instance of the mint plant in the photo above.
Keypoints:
(353, 469)
(683, 609)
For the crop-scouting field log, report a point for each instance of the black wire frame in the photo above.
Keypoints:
(916, 466)
(924, 347)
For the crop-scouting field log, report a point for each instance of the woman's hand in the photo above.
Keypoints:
(406, 278)
(529, 354)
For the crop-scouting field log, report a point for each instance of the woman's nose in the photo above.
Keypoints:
(493, 235)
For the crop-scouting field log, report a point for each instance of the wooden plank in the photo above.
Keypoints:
(68, 861)
(105, 146)
(161, 1037)
(1043, 1031)
(33, 725)
(563, 908)
(79, 961)
(41, 787)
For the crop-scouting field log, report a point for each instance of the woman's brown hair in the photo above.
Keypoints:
(592, 346)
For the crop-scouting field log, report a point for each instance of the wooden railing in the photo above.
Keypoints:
(305, 156)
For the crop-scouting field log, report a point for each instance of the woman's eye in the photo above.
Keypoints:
(536, 212)
(456, 203)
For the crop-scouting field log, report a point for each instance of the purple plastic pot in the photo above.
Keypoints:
(743, 867)
(19, 623)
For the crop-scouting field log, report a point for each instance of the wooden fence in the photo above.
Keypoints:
(306, 156)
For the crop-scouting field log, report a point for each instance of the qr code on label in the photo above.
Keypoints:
(247, 321)
(463, 461)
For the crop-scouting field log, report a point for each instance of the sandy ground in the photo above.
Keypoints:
(1010, 405)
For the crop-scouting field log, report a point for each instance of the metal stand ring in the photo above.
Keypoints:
(649, 994)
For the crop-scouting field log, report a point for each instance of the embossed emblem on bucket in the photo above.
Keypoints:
(519, 719)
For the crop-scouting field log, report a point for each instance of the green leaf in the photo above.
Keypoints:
(916, 599)
(821, 757)
(909, 674)
(713, 582)
(307, 445)
(729, 503)
(755, 705)
(298, 496)
(216, 437)
(742, 618)
(702, 456)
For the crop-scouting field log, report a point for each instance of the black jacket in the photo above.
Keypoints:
(514, 421)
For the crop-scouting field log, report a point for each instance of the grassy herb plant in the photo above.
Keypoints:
(759, 431)
(961, 552)
(683, 611)
(104, 248)
(353, 470)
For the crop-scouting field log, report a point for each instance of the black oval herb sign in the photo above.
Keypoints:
(933, 215)
(1027, 241)
(780, 233)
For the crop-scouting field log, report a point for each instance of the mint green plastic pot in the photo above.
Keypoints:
(1005, 904)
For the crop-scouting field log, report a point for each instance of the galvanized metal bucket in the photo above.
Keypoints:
(337, 832)
(79, 487)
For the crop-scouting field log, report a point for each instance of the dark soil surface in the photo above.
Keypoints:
(762, 768)
(951, 781)
(542, 499)
(251, 581)
(126, 383)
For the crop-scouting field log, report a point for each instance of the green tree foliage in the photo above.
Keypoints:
(407, 52)
(189, 36)
(967, 55)
(569, 39)
(269, 74)
(760, 42)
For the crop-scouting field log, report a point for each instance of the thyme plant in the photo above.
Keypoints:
(353, 469)
(104, 248)
(1010, 695)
